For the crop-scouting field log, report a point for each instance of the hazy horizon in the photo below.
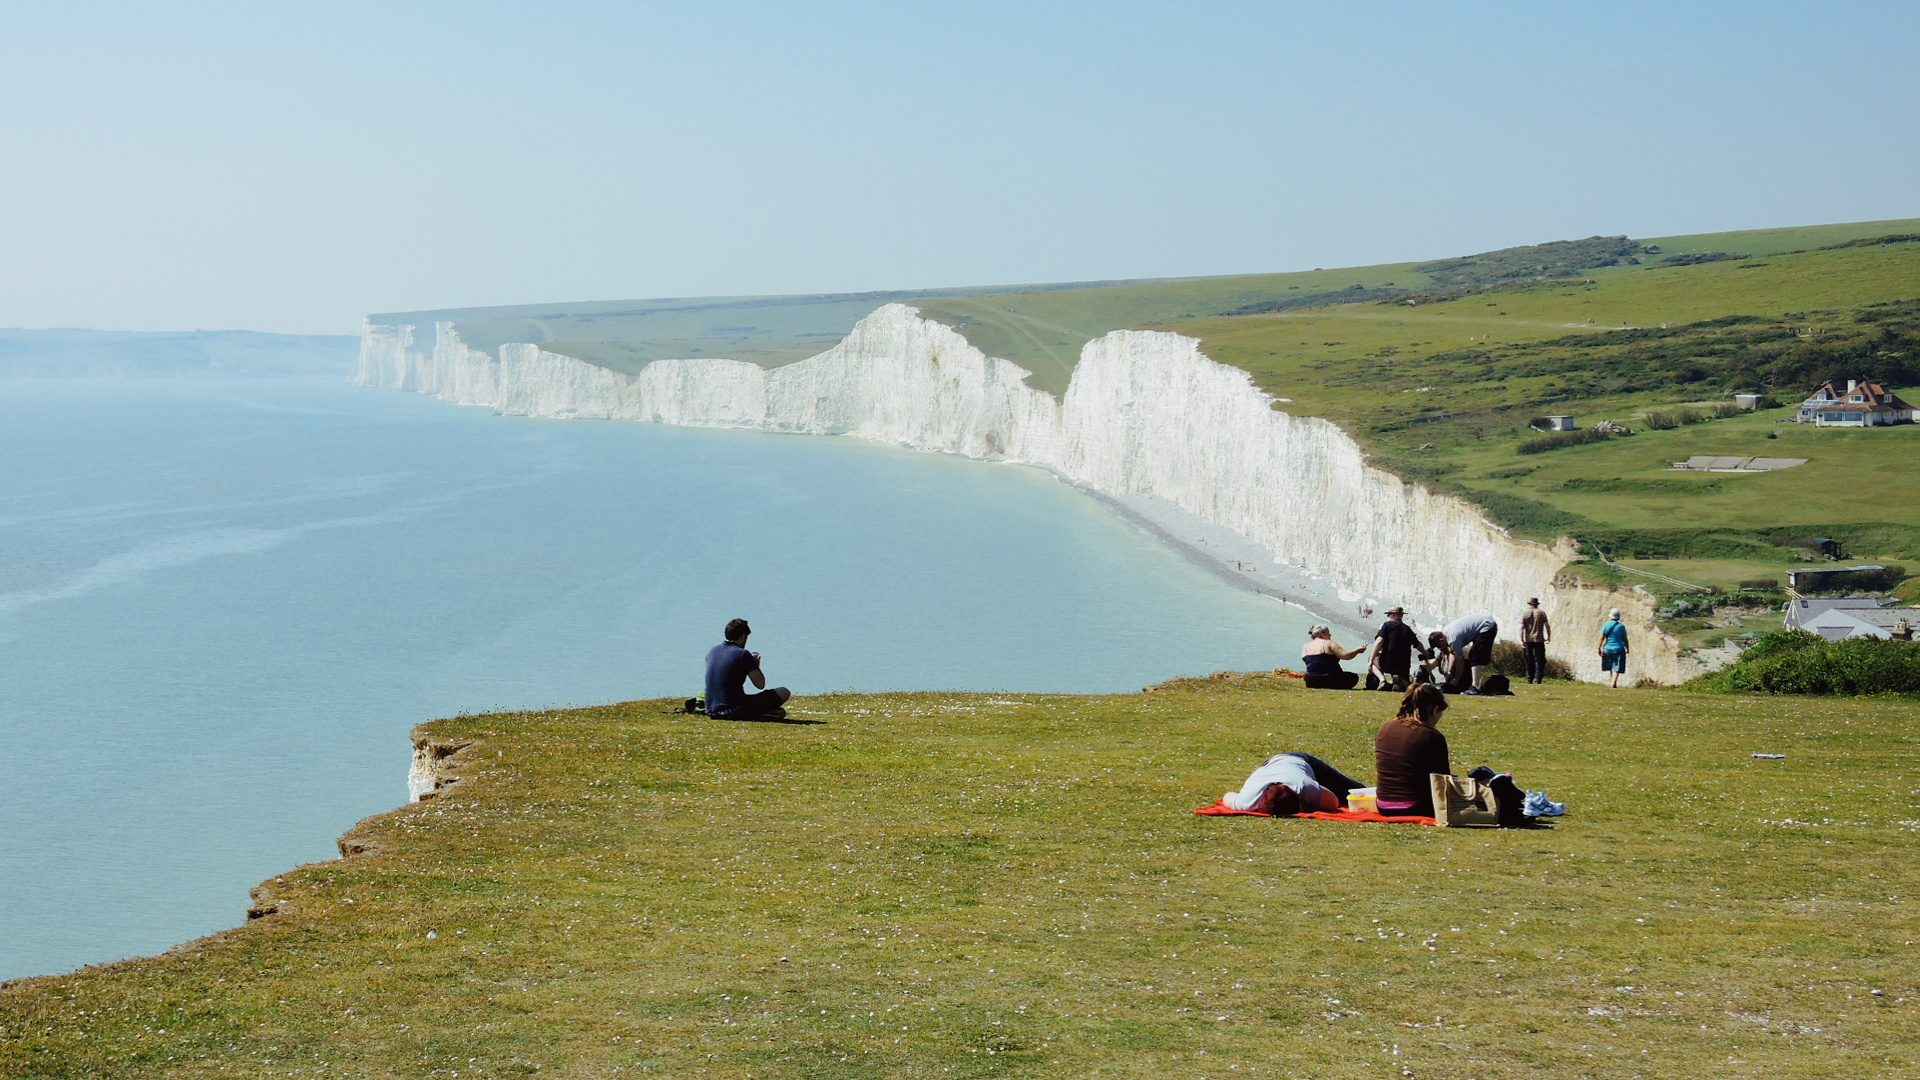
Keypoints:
(290, 171)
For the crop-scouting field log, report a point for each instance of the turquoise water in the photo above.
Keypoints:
(224, 603)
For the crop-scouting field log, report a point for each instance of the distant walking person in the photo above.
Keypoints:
(1322, 657)
(729, 666)
(1535, 632)
(1393, 647)
(1470, 640)
(1613, 646)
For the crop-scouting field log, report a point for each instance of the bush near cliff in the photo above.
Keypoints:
(1510, 659)
(1797, 662)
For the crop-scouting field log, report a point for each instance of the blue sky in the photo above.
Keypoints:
(211, 165)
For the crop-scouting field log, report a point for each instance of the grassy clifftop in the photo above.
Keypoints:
(975, 885)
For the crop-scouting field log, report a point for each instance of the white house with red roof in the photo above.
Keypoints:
(1861, 404)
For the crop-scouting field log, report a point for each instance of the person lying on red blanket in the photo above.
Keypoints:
(1292, 783)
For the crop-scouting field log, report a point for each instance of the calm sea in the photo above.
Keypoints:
(224, 603)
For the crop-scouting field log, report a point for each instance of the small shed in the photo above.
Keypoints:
(1560, 423)
(1827, 546)
(1747, 401)
(1815, 579)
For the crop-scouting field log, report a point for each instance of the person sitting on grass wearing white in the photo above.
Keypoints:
(1289, 784)
(729, 666)
(1613, 647)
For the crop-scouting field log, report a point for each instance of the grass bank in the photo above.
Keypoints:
(951, 885)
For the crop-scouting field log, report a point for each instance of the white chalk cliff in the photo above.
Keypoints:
(1146, 413)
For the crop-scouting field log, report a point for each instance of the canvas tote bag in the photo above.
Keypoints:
(1464, 802)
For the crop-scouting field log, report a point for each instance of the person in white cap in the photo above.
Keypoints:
(1613, 646)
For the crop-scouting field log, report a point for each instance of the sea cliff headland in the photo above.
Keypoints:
(1146, 417)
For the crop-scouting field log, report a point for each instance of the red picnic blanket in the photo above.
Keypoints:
(1221, 808)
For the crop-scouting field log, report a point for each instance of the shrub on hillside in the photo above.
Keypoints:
(1666, 419)
(1509, 660)
(1760, 584)
(1556, 439)
(1796, 662)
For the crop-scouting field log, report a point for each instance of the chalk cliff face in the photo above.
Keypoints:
(1145, 414)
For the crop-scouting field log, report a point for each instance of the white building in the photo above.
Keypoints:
(1861, 404)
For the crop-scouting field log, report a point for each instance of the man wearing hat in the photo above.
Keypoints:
(1393, 649)
(1535, 632)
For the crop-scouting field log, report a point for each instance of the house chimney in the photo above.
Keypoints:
(1850, 386)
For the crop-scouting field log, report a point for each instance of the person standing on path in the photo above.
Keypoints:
(1613, 646)
(1535, 632)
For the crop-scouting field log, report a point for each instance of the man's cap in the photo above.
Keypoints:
(1396, 610)
(1535, 602)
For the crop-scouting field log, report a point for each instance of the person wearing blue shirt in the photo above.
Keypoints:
(1613, 646)
(729, 667)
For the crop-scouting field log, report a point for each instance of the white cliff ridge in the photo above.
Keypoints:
(1146, 416)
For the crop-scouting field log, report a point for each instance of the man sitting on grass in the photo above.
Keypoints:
(729, 666)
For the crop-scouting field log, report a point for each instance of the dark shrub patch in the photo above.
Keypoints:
(1796, 662)
(1557, 439)
(1509, 660)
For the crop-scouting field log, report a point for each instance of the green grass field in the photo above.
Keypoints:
(948, 885)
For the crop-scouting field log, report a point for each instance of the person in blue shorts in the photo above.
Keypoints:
(1613, 646)
(729, 667)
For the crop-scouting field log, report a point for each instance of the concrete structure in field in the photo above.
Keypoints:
(1748, 401)
(1861, 404)
(1559, 423)
(1731, 463)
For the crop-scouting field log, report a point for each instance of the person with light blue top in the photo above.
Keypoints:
(1613, 646)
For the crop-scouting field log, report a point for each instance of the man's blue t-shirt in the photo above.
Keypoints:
(727, 668)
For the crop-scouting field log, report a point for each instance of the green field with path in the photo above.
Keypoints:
(972, 885)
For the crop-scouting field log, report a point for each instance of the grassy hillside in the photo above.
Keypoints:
(968, 885)
(1443, 391)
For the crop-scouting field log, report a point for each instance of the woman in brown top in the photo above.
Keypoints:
(1408, 750)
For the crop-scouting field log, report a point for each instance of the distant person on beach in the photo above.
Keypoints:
(729, 666)
(1535, 632)
(1408, 750)
(1289, 784)
(1323, 658)
(1613, 646)
(1393, 647)
(1470, 643)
